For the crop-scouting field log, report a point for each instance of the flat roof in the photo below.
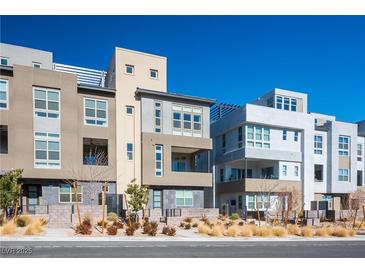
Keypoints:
(171, 95)
(97, 88)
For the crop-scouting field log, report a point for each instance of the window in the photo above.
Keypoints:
(129, 151)
(36, 65)
(296, 171)
(318, 173)
(223, 143)
(154, 73)
(4, 94)
(184, 198)
(96, 112)
(240, 137)
(158, 116)
(296, 136)
(359, 152)
(286, 103)
(359, 178)
(318, 145)
(343, 145)
(279, 102)
(251, 202)
(3, 139)
(285, 170)
(129, 69)
(293, 106)
(47, 150)
(95, 152)
(343, 175)
(257, 136)
(67, 194)
(129, 110)
(4, 61)
(284, 134)
(157, 198)
(158, 160)
(46, 102)
(221, 175)
(187, 121)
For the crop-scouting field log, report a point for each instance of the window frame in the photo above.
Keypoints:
(158, 128)
(318, 149)
(359, 152)
(70, 194)
(4, 58)
(184, 197)
(6, 101)
(156, 71)
(47, 111)
(342, 151)
(129, 152)
(95, 118)
(342, 177)
(154, 196)
(45, 137)
(159, 151)
(126, 66)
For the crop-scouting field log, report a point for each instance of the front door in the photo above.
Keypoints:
(32, 198)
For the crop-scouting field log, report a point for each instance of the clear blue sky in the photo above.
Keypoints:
(231, 59)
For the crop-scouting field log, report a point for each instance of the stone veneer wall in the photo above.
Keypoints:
(210, 213)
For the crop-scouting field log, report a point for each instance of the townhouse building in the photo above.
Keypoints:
(61, 122)
(274, 146)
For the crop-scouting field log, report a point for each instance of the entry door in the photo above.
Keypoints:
(32, 198)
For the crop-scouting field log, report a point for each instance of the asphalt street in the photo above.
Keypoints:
(184, 249)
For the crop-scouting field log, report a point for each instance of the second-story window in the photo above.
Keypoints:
(343, 175)
(158, 117)
(4, 94)
(154, 73)
(343, 145)
(46, 102)
(318, 144)
(284, 134)
(240, 137)
(47, 152)
(223, 143)
(96, 112)
(257, 136)
(359, 152)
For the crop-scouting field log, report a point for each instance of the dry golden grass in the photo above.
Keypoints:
(343, 232)
(360, 225)
(233, 231)
(307, 231)
(204, 229)
(323, 232)
(34, 228)
(279, 231)
(246, 231)
(263, 231)
(26, 219)
(293, 230)
(217, 230)
(8, 228)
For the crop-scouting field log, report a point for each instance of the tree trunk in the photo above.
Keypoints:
(258, 213)
(77, 203)
(103, 206)
(354, 222)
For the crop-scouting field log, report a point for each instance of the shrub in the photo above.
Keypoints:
(153, 228)
(112, 216)
(85, 227)
(43, 221)
(246, 231)
(352, 232)
(204, 219)
(129, 231)
(204, 229)
(195, 225)
(293, 230)
(118, 224)
(241, 223)
(169, 231)
(33, 228)
(222, 217)
(217, 230)
(263, 231)
(343, 232)
(112, 230)
(279, 231)
(233, 231)
(322, 232)
(307, 231)
(188, 220)
(234, 216)
(23, 220)
(8, 228)
(228, 224)
(187, 226)
(182, 224)
(100, 223)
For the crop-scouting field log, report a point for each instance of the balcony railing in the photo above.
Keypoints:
(190, 170)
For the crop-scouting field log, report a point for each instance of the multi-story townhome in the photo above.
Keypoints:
(272, 145)
(57, 126)
(60, 122)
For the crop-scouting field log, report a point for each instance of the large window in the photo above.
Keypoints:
(47, 151)
(4, 94)
(240, 137)
(46, 102)
(158, 160)
(96, 112)
(3, 139)
(158, 117)
(318, 144)
(257, 136)
(67, 194)
(95, 152)
(343, 145)
(343, 175)
(184, 198)
(129, 151)
(359, 152)
(286, 103)
(187, 120)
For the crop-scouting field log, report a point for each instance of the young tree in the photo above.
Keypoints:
(138, 197)
(10, 191)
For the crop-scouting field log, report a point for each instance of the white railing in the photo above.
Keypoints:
(84, 75)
